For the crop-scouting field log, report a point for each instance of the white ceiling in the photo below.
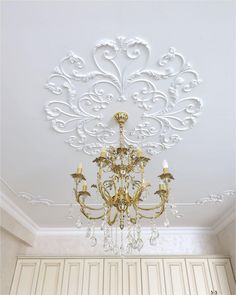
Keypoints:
(37, 161)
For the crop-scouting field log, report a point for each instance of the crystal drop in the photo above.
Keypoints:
(93, 241)
(167, 222)
(78, 223)
(153, 241)
(88, 233)
(139, 244)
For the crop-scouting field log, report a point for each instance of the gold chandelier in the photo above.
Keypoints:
(121, 185)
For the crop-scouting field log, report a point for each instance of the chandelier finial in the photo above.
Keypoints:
(121, 117)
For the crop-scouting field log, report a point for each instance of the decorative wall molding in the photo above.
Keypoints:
(161, 96)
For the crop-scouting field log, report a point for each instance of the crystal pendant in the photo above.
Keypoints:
(89, 232)
(93, 241)
(139, 244)
(78, 223)
(166, 222)
(153, 241)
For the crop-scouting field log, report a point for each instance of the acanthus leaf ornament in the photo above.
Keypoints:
(162, 96)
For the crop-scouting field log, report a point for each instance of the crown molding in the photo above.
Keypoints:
(224, 220)
(12, 209)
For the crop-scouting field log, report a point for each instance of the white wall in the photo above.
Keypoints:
(227, 238)
(11, 247)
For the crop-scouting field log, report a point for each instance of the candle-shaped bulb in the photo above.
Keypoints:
(103, 152)
(84, 188)
(79, 169)
(165, 164)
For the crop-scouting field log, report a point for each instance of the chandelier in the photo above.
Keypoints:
(122, 187)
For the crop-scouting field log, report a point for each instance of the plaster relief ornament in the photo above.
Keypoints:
(158, 98)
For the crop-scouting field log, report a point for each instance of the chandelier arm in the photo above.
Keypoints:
(104, 194)
(83, 205)
(154, 216)
(111, 222)
(160, 205)
(90, 217)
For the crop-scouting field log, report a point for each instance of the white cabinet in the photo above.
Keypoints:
(222, 276)
(93, 277)
(199, 277)
(50, 277)
(176, 277)
(153, 281)
(25, 278)
(112, 283)
(73, 277)
(131, 277)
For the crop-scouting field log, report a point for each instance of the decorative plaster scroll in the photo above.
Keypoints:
(158, 100)
(216, 198)
(29, 198)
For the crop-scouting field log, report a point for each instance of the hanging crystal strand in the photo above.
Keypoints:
(106, 245)
(154, 234)
(116, 248)
(78, 222)
(139, 239)
(93, 240)
(166, 222)
(129, 238)
(70, 214)
(122, 252)
(88, 232)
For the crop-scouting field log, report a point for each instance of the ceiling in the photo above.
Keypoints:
(36, 160)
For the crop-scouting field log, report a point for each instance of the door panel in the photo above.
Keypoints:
(153, 277)
(222, 276)
(93, 277)
(25, 278)
(50, 277)
(199, 277)
(112, 280)
(73, 277)
(131, 277)
(176, 277)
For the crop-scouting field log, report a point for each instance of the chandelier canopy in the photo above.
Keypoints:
(122, 186)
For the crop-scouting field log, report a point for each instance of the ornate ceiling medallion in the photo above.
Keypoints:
(159, 99)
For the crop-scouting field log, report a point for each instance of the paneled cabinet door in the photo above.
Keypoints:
(153, 277)
(25, 278)
(73, 277)
(50, 277)
(176, 277)
(93, 277)
(131, 277)
(112, 281)
(222, 276)
(199, 277)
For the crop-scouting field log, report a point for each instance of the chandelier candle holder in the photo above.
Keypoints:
(123, 188)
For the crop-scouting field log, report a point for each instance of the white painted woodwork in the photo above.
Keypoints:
(112, 281)
(176, 277)
(199, 277)
(25, 278)
(93, 277)
(50, 277)
(131, 277)
(73, 277)
(222, 276)
(153, 281)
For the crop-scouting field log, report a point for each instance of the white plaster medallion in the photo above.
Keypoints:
(159, 99)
